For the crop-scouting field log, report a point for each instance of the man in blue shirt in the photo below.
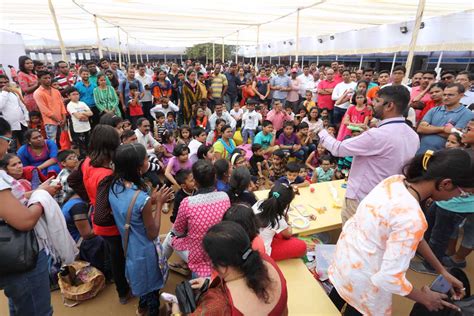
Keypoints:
(280, 85)
(86, 92)
(438, 122)
(124, 88)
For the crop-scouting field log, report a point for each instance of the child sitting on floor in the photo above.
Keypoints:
(292, 176)
(160, 128)
(185, 180)
(258, 164)
(179, 161)
(274, 228)
(69, 162)
(324, 172)
(223, 170)
(278, 165)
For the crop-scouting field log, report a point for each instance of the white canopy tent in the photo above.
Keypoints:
(184, 23)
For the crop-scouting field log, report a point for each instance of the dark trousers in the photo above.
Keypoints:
(441, 225)
(146, 106)
(81, 141)
(150, 302)
(95, 119)
(117, 262)
(340, 303)
(18, 139)
(338, 115)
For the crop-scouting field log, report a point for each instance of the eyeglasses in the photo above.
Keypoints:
(7, 139)
(447, 78)
(464, 194)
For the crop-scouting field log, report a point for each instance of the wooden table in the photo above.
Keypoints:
(305, 295)
(321, 197)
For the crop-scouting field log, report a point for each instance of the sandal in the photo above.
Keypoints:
(178, 268)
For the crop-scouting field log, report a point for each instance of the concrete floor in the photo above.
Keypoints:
(106, 303)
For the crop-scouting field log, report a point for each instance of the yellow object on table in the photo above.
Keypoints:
(320, 203)
(305, 295)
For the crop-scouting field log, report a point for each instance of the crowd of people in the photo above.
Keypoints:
(105, 151)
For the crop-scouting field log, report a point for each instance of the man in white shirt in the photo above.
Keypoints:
(13, 110)
(147, 98)
(465, 78)
(145, 137)
(199, 138)
(306, 81)
(219, 113)
(165, 106)
(346, 88)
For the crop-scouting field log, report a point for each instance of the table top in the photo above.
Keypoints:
(309, 202)
(305, 295)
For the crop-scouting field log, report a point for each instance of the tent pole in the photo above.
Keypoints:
(279, 63)
(128, 52)
(438, 69)
(414, 36)
(214, 53)
(361, 59)
(258, 44)
(99, 43)
(147, 60)
(136, 51)
(119, 49)
(270, 62)
(58, 31)
(223, 57)
(317, 61)
(237, 49)
(297, 34)
(393, 62)
(290, 62)
(141, 54)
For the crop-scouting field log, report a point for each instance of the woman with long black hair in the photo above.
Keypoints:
(377, 243)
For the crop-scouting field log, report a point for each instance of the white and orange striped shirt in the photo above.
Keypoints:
(375, 248)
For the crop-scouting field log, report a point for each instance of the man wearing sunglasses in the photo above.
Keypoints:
(448, 76)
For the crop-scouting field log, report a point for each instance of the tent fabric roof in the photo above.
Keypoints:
(187, 22)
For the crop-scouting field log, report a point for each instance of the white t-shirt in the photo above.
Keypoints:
(145, 80)
(269, 232)
(193, 149)
(339, 90)
(250, 120)
(236, 114)
(78, 107)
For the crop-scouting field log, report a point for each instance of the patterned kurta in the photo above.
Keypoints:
(196, 215)
(375, 248)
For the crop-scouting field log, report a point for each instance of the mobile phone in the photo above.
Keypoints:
(440, 285)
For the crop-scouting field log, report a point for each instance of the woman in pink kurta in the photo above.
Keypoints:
(28, 82)
(377, 244)
(196, 215)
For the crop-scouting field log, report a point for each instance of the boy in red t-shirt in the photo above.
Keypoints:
(134, 106)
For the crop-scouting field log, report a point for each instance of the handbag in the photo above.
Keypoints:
(162, 261)
(18, 249)
(186, 298)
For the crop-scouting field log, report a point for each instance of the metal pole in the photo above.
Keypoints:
(270, 62)
(393, 62)
(58, 31)
(438, 64)
(99, 42)
(290, 61)
(223, 57)
(119, 49)
(214, 53)
(128, 52)
(165, 58)
(237, 49)
(297, 34)
(279, 63)
(141, 54)
(361, 59)
(414, 36)
(317, 61)
(147, 60)
(258, 45)
(136, 51)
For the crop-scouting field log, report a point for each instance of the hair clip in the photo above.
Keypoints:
(246, 254)
(426, 157)
(276, 195)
